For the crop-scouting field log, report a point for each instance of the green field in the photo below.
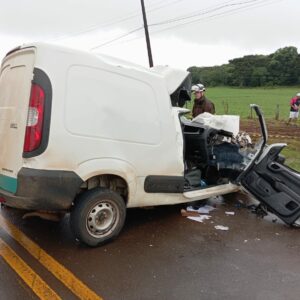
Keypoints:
(237, 100)
(291, 153)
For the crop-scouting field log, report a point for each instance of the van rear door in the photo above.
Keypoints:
(15, 86)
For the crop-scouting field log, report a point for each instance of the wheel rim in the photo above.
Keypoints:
(102, 218)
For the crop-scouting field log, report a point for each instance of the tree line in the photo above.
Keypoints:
(277, 69)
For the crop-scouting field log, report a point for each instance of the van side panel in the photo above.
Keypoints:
(111, 106)
(122, 117)
(125, 120)
(15, 85)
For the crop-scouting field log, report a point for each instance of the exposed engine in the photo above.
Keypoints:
(214, 155)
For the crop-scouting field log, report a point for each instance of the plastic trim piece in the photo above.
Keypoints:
(164, 184)
(51, 190)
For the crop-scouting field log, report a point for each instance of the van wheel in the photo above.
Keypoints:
(98, 216)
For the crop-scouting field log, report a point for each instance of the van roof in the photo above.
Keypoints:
(172, 76)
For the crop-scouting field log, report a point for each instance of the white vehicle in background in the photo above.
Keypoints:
(92, 135)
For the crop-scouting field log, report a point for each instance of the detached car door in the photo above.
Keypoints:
(271, 182)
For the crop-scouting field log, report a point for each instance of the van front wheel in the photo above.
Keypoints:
(98, 216)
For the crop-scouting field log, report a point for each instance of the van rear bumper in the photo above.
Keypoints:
(43, 190)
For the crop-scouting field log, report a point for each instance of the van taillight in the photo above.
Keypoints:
(35, 118)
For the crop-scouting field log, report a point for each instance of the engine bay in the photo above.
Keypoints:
(213, 156)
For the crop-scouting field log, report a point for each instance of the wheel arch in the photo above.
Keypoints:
(113, 174)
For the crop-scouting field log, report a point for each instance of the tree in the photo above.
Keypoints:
(284, 66)
(279, 68)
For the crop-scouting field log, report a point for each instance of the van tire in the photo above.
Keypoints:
(98, 216)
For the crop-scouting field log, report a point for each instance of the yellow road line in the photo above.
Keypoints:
(59, 271)
(33, 280)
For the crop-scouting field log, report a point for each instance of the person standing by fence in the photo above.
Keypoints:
(294, 108)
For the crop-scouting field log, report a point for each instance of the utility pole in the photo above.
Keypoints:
(147, 35)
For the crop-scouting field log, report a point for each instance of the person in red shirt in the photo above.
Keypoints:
(201, 103)
(294, 108)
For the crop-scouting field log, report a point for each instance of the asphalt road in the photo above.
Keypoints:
(159, 255)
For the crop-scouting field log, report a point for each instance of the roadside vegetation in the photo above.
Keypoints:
(277, 69)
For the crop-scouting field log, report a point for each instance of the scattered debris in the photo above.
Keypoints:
(260, 210)
(198, 214)
(206, 209)
(200, 218)
(216, 201)
(221, 227)
(230, 213)
(297, 223)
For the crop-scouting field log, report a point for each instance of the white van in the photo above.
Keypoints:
(95, 135)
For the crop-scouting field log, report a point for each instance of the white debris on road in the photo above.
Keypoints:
(200, 219)
(221, 227)
(206, 209)
(230, 213)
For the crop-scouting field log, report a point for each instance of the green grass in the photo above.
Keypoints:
(291, 153)
(238, 100)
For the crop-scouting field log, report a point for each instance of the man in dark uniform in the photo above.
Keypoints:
(201, 103)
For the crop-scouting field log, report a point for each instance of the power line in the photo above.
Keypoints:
(202, 12)
(117, 38)
(228, 12)
(211, 17)
(209, 7)
(134, 30)
(254, 4)
(131, 16)
(164, 5)
(137, 29)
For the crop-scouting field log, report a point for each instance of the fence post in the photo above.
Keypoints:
(277, 112)
(251, 113)
(225, 107)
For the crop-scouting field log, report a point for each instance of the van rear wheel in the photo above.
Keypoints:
(98, 216)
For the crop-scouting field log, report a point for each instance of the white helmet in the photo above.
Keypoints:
(298, 94)
(198, 88)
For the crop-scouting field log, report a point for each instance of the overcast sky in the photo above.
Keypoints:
(197, 32)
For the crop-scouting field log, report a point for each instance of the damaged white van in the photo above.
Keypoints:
(92, 136)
